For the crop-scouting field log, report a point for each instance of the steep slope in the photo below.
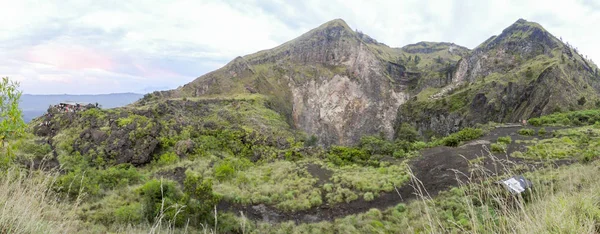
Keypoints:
(524, 72)
(332, 82)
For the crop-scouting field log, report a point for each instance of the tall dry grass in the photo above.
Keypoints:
(28, 205)
(564, 200)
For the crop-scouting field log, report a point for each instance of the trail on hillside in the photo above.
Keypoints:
(438, 169)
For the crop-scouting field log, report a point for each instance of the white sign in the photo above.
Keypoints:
(514, 185)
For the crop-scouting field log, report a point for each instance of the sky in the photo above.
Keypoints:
(93, 47)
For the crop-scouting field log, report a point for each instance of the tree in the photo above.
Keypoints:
(417, 59)
(407, 132)
(11, 118)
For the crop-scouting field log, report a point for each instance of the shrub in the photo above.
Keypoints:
(122, 122)
(120, 175)
(328, 187)
(368, 196)
(341, 156)
(526, 132)
(506, 140)
(131, 213)
(160, 196)
(224, 170)
(542, 131)
(407, 132)
(167, 158)
(376, 145)
(200, 198)
(463, 135)
(498, 147)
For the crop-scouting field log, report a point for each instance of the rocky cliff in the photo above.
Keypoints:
(332, 82)
(524, 72)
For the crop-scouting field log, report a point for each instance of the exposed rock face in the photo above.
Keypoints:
(522, 73)
(329, 81)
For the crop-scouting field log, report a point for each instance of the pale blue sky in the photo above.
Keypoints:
(133, 46)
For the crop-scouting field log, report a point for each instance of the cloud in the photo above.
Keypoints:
(85, 46)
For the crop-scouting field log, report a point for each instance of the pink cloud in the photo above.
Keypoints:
(70, 57)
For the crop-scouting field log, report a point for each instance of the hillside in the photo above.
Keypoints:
(332, 82)
(332, 132)
(522, 73)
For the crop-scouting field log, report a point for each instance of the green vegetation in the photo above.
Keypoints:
(461, 136)
(542, 132)
(499, 147)
(11, 121)
(573, 118)
(506, 140)
(526, 132)
(579, 143)
(558, 203)
(348, 182)
(283, 184)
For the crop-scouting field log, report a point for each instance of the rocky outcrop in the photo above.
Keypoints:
(522, 73)
(330, 82)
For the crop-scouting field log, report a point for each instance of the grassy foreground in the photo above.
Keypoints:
(565, 200)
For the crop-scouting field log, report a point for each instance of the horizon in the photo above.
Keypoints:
(99, 48)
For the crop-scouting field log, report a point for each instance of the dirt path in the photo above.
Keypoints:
(437, 170)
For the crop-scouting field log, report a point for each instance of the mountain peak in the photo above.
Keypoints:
(522, 31)
(334, 23)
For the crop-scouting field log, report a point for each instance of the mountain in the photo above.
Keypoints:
(331, 82)
(36, 105)
(334, 85)
(522, 73)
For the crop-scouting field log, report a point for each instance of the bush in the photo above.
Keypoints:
(526, 132)
(461, 136)
(131, 213)
(342, 156)
(506, 140)
(376, 145)
(542, 131)
(154, 193)
(200, 198)
(167, 158)
(117, 176)
(498, 147)
(573, 118)
(224, 170)
(368, 196)
(407, 132)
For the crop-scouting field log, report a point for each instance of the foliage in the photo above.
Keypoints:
(499, 147)
(11, 120)
(199, 198)
(283, 184)
(161, 197)
(461, 136)
(167, 158)
(526, 132)
(341, 155)
(573, 118)
(542, 131)
(224, 170)
(506, 140)
(407, 132)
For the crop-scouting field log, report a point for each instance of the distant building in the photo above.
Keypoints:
(69, 106)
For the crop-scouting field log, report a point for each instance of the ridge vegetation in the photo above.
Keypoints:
(330, 132)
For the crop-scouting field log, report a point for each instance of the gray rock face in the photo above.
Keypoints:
(524, 72)
(328, 81)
